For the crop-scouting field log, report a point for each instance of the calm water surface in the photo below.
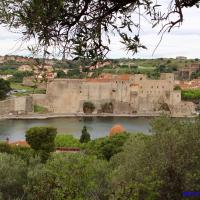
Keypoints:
(97, 126)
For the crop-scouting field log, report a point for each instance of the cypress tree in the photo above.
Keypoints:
(85, 136)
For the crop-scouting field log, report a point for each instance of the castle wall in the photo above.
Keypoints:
(182, 109)
(167, 76)
(6, 106)
(152, 94)
(175, 97)
(95, 91)
(134, 95)
(17, 105)
(64, 95)
(42, 100)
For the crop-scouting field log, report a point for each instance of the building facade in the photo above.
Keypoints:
(129, 94)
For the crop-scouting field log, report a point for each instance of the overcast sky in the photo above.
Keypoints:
(183, 41)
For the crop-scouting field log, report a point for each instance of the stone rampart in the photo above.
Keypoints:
(42, 100)
(7, 106)
(16, 105)
(137, 94)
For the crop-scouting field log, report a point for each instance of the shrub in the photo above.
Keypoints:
(88, 107)
(5, 147)
(24, 153)
(190, 94)
(177, 87)
(113, 145)
(105, 148)
(161, 165)
(12, 177)
(18, 76)
(74, 73)
(61, 74)
(69, 176)
(41, 139)
(40, 109)
(107, 108)
(66, 141)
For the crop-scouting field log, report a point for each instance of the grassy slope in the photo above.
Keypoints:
(29, 90)
(145, 65)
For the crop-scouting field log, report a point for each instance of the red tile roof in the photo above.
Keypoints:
(193, 84)
(20, 143)
(109, 77)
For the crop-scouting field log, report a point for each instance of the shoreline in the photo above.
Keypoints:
(64, 115)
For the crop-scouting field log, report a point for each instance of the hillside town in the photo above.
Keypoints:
(101, 100)
(101, 87)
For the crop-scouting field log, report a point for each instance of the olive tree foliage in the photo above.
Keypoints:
(161, 166)
(82, 28)
(12, 176)
(69, 176)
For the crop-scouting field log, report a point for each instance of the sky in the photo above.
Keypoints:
(183, 41)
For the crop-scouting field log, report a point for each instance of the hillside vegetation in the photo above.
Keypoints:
(134, 166)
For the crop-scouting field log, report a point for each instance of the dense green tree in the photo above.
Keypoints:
(41, 139)
(69, 176)
(13, 173)
(73, 73)
(105, 148)
(113, 145)
(132, 177)
(4, 88)
(18, 76)
(195, 75)
(160, 166)
(61, 74)
(66, 141)
(164, 69)
(85, 136)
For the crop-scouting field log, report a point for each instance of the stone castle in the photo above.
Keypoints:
(129, 94)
